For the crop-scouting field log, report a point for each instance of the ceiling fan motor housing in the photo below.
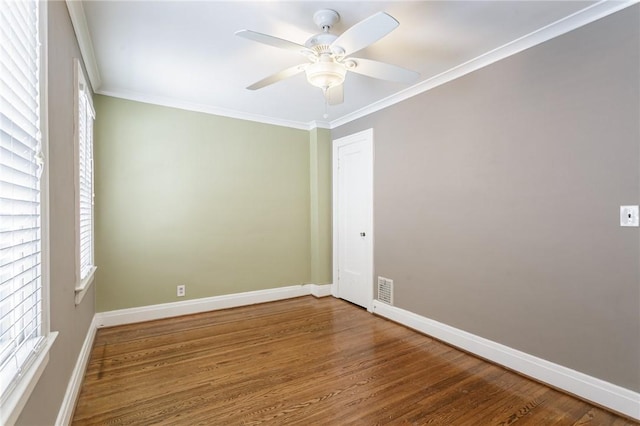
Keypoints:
(321, 43)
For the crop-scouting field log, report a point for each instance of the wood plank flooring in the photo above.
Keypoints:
(305, 361)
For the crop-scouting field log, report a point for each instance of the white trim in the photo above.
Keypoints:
(77, 376)
(367, 136)
(603, 393)
(84, 285)
(45, 207)
(13, 405)
(320, 290)
(79, 92)
(569, 23)
(207, 109)
(611, 396)
(186, 307)
(167, 310)
(319, 125)
(83, 35)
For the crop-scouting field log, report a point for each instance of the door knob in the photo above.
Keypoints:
(362, 234)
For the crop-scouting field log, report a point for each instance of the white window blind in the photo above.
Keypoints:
(21, 328)
(84, 130)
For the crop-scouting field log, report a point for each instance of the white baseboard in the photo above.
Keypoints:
(320, 290)
(606, 394)
(166, 310)
(77, 375)
(173, 309)
(603, 393)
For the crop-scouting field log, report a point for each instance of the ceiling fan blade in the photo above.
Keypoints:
(383, 71)
(272, 41)
(289, 72)
(364, 33)
(335, 95)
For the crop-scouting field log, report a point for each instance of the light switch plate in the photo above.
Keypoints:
(629, 216)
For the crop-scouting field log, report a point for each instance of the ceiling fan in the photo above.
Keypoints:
(328, 54)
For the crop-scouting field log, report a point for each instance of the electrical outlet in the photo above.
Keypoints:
(628, 215)
(180, 290)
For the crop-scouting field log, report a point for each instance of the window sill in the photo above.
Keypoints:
(84, 285)
(17, 398)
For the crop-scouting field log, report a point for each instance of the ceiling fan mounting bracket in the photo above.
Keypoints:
(325, 19)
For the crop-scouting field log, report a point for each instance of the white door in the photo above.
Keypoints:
(353, 218)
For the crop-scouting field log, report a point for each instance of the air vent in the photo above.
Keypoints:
(385, 290)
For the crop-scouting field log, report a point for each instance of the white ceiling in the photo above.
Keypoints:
(185, 54)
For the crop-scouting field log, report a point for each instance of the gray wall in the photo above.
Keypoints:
(72, 322)
(497, 198)
(496, 201)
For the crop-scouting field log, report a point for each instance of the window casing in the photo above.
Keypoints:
(25, 338)
(84, 117)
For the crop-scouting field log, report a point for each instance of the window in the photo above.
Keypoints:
(85, 115)
(24, 330)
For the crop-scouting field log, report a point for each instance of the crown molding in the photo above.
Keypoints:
(583, 17)
(319, 125)
(204, 108)
(83, 35)
(569, 23)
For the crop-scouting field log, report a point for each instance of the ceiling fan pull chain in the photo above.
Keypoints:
(326, 103)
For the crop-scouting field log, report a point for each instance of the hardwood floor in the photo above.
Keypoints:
(305, 361)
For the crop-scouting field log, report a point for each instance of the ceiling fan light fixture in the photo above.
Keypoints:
(329, 55)
(325, 74)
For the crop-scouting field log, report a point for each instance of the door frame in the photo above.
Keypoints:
(367, 137)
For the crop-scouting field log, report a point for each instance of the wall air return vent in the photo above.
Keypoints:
(385, 290)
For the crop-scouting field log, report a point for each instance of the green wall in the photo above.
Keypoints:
(218, 204)
(321, 210)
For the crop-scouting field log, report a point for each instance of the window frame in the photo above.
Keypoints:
(12, 404)
(81, 88)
